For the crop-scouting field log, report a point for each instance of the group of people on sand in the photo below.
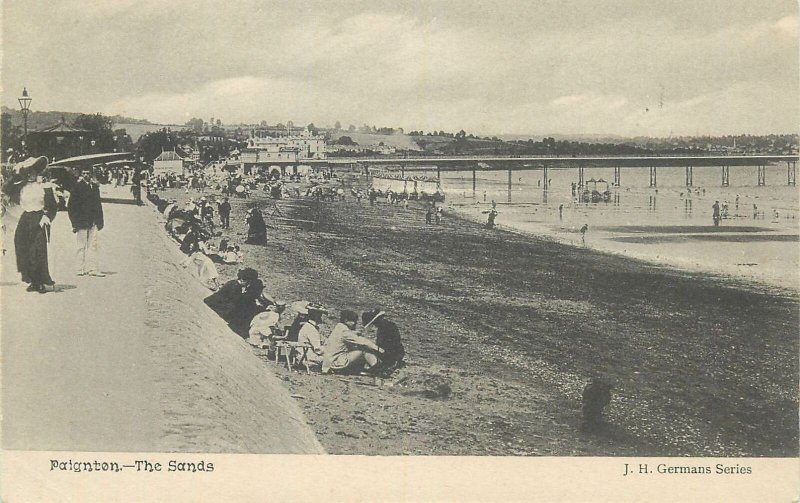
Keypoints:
(267, 323)
(38, 198)
(193, 228)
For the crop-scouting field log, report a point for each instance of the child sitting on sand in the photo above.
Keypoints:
(387, 338)
(265, 324)
(202, 267)
(232, 255)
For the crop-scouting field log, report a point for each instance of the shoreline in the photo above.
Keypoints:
(775, 283)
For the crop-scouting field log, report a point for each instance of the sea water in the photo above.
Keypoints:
(668, 224)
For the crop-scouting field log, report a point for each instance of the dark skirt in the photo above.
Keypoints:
(30, 243)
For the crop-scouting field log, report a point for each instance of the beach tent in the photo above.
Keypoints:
(428, 187)
(384, 185)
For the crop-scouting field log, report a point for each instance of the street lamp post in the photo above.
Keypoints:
(25, 104)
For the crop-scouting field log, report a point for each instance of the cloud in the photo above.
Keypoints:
(525, 67)
(588, 102)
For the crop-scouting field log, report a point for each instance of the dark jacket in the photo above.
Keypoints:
(84, 206)
(387, 338)
(234, 306)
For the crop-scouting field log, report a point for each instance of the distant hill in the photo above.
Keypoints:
(41, 120)
(399, 141)
(589, 138)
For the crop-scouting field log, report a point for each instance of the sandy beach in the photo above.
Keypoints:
(503, 329)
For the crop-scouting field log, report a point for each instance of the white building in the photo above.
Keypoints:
(307, 145)
(168, 162)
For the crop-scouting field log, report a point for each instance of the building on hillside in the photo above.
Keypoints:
(350, 149)
(168, 162)
(267, 147)
(384, 149)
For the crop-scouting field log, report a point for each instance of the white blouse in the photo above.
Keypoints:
(31, 198)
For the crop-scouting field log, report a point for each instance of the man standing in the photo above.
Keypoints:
(225, 213)
(715, 213)
(86, 215)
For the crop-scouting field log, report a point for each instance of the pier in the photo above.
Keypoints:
(475, 164)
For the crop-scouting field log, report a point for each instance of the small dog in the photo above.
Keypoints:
(596, 395)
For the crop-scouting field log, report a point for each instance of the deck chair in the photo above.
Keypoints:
(298, 353)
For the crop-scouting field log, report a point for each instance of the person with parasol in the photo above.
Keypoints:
(39, 206)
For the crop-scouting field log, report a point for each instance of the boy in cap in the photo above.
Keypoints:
(309, 334)
(387, 337)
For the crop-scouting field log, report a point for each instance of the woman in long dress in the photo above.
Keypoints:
(256, 227)
(39, 207)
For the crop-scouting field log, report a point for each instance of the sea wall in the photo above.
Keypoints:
(216, 395)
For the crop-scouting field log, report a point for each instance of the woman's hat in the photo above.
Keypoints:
(316, 307)
(248, 274)
(31, 163)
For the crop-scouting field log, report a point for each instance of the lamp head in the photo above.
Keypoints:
(25, 100)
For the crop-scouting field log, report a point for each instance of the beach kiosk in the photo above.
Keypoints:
(168, 162)
(596, 191)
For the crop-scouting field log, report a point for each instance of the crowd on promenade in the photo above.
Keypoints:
(296, 331)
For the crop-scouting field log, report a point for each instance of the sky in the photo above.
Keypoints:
(630, 68)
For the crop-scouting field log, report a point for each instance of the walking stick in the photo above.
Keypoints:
(50, 261)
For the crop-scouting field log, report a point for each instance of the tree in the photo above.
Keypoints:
(11, 135)
(100, 128)
(150, 145)
(124, 143)
(195, 124)
(345, 140)
(338, 126)
(351, 128)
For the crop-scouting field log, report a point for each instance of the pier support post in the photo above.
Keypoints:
(762, 176)
(474, 183)
(616, 176)
(544, 174)
(403, 171)
(580, 176)
(791, 173)
(438, 174)
(689, 176)
(726, 176)
(509, 185)
(653, 177)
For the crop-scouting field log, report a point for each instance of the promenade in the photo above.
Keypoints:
(133, 361)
